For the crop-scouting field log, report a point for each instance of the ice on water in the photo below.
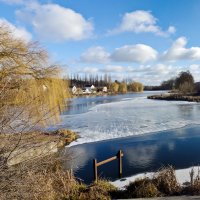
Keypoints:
(130, 116)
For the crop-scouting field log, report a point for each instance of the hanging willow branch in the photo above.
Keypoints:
(27, 84)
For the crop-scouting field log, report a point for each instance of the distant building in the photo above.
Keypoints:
(89, 89)
(74, 90)
(105, 89)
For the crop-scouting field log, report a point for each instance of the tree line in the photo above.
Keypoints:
(105, 80)
(183, 82)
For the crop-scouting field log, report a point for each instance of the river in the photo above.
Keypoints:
(151, 134)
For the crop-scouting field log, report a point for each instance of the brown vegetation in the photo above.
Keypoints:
(175, 97)
(136, 87)
(45, 178)
(163, 183)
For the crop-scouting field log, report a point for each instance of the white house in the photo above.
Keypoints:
(74, 90)
(105, 89)
(89, 89)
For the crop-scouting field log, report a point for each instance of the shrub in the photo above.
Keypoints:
(98, 191)
(193, 188)
(142, 188)
(114, 87)
(185, 82)
(122, 87)
(136, 87)
(166, 182)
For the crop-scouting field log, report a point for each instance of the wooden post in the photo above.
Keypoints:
(95, 169)
(120, 163)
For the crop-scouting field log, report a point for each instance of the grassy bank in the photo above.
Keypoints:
(161, 184)
(46, 178)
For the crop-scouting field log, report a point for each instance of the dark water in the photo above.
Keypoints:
(83, 104)
(145, 153)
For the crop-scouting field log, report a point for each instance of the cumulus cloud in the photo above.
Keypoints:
(57, 23)
(18, 32)
(138, 53)
(95, 55)
(141, 21)
(178, 51)
(134, 53)
(148, 74)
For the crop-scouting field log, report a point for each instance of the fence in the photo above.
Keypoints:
(97, 164)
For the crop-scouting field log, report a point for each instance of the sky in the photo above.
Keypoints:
(144, 40)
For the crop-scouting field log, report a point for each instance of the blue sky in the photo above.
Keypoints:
(145, 40)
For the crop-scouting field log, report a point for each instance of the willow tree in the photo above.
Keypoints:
(136, 87)
(30, 91)
(114, 87)
(123, 87)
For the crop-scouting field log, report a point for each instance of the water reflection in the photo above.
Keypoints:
(148, 153)
(186, 110)
(141, 155)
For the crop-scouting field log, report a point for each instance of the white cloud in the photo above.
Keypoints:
(95, 55)
(138, 53)
(134, 53)
(141, 21)
(18, 32)
(147, 74)
(178, 51)
(171, 29)
(54, 22)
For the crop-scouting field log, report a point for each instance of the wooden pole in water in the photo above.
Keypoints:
(120, 163)
(95, 169)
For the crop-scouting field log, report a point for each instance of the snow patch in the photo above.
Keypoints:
(182, 175)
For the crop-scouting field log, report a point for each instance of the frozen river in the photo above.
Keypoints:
(150, 133)
(108, 117)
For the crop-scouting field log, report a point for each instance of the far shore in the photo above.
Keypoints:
(176, 97)
(101, 94)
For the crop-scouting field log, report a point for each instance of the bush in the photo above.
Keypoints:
(98, 191)
(136, 87)
(68, 135)
(114, 87)
(142, 188)
(166, 182)
(122, 87)
(193, 188)
(185, 82)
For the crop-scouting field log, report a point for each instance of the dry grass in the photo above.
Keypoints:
(163, 183)
(101, 190)
(142, 188)
(166, 182)
(45, 179)
(68, 136)
(193, 188)
(40, 179)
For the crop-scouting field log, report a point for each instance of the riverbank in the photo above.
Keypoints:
(165, 182)
(182, 175)
(27, 146)
(175, 97)
(102, 94)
